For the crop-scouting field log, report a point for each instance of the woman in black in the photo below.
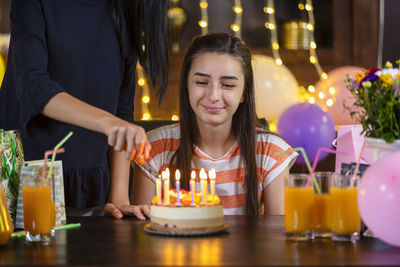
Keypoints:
(71, 68)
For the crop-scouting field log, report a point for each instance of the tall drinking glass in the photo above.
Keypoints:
(345, 216)
(322, 228)
(39, 211)
(299, 206)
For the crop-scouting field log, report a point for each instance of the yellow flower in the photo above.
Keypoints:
(388, 65)
(359, 76)
(367, 84)
(387, 79)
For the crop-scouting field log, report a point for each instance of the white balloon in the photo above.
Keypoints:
(275, 87)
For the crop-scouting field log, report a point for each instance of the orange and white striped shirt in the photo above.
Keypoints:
(230, 170)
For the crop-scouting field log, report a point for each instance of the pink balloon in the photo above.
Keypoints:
(336, 79)
(379, 198)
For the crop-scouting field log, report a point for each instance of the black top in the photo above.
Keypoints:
(66, 46)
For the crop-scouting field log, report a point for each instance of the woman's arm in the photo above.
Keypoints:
(274, 195)
(66, 108)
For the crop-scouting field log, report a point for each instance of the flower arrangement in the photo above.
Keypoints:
(377, 101)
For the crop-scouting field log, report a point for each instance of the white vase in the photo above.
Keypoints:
(379, 148)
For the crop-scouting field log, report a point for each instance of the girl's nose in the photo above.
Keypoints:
(213, 94)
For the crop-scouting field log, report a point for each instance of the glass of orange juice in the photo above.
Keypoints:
(299, 206)
(322, 228)
(38, 208)
(345, 216)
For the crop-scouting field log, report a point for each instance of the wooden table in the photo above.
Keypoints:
(250, 241)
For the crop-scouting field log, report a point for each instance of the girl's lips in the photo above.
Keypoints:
(213, 109)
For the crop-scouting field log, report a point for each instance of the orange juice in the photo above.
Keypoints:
(299, 203)
(53, 213)
(321, 212)
(6, 226)
(38, 217)
(345, 217)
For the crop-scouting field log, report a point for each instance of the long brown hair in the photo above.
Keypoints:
(243, 121)
(143, 23)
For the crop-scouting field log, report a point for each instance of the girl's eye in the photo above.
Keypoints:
(228, 85)
(201, 83)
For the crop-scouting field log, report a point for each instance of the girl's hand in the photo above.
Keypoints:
(132, 138)
(119, 210)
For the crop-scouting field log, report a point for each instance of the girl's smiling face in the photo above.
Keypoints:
(215, 84)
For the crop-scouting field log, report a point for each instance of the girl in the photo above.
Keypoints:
(218, 130)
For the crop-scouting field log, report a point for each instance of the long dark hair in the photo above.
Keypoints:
(142, 23)
(244, 119)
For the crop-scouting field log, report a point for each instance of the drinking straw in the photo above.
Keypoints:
(316, 161)
(359, 159)
(307, 164)
(46, 155)
(60, 227)
(55, 149)
(302, 152)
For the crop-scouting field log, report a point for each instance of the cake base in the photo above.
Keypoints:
(157, 229)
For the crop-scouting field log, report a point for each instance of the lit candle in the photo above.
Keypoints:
(203, 179)
(166, 187)
(178, 187)
(192, 185)
(211, 175)
(158, 189)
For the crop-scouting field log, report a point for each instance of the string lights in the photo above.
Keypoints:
(141, 81)
(324, 99)
(270, 24)
(237, 25)
(203, 23)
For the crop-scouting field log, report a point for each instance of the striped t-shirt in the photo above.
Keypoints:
(230, 170)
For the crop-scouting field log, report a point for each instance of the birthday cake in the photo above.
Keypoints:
(189, 215)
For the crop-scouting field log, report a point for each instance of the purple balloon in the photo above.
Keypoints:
(379, 198)
(308, 126)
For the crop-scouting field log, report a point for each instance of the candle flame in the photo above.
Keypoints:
(177, 175)
(167, 173)
(211, 173)
(203, 174)
(193, 175)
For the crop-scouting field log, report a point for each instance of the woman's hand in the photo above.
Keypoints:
(120, 133)
(129, 137)
(118, 211)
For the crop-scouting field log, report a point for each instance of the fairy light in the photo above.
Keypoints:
(203, 23)
(270, 24)
(141, 81)
(321, 95)
(146, 116)
(313, 45)
(329, 102)
(146, 99)
(273, 127)
(311, 88)
(332, 90)
(311, 100)
(175, 118)
(237, 25)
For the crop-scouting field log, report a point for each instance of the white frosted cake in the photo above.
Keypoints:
(186, 217)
